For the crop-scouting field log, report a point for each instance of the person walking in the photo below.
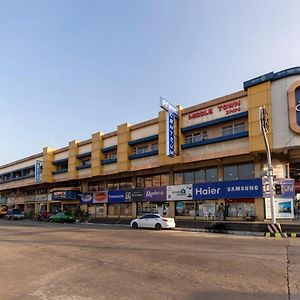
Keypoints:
(221, 210)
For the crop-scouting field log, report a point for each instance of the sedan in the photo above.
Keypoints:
(153, 221)
(14, 214)
(62, 218)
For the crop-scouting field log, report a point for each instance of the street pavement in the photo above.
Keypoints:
(80, 261)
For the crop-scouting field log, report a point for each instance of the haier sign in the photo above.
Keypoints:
(237, 189)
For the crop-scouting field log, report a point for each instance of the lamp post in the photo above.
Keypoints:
(264, 128)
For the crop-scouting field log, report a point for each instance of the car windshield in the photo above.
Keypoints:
(16, 211)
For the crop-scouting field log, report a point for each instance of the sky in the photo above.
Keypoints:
(71, 68)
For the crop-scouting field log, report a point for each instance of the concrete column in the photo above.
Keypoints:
(73, 161)
(48, 167)
(124, 150)
(134, 208)
(105, 210)
(171, 210)
(97, 155)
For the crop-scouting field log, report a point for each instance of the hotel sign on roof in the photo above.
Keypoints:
(215, 112)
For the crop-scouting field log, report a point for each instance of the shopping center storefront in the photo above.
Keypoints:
(64, 200)
(223, 200)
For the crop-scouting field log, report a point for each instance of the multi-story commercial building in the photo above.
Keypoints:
(218, 145)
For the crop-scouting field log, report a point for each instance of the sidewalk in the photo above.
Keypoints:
(230, 227)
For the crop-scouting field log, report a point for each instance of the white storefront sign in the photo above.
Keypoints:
(180, 192)
(284, 208)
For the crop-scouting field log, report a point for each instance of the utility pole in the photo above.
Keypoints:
(264, 128)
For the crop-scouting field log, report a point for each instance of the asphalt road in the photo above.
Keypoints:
(79, 261)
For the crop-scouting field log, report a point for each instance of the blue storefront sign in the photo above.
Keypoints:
(237, 189)
(117, 196)
(86, 198)
(153, 194)
(170, 134)
(37, 171)
(287, 188)
(65, 195)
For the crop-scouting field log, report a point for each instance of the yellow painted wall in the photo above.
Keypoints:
(73, 161)
(259, 95)
(123, 148)
(97, 155)
(144, 132)
(48, 167)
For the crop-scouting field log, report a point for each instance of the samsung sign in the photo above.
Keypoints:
(251, 188)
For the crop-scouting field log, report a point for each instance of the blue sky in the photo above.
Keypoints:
(72, 68)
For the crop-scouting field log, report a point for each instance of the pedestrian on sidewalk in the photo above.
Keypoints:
(221, 210)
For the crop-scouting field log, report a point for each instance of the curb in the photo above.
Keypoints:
(232, 232)
(282, 235)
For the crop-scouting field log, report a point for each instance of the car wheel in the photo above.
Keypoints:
(158, 226)
(135, 225)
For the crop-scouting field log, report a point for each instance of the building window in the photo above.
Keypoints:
(199, 176)
(196, 176)
(86, 161)
(195, 137)
(211, 175)
(185, 208)
(111, 155)
(154, 180)
(234, 128)
(62, 167)
(188, 177)
(145, 148)
(120, 185)
(240, 171)
(154, 146)
(96, 186)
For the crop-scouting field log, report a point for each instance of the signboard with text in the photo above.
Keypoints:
(180, 192)
(155, 194)
(100, 197)
(134, 195)
(117, 196)
(237, 189)
(287, 188)
(37, 170)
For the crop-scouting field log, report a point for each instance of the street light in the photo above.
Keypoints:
(264, 128)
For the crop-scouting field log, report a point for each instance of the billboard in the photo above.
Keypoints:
(287, 188)
(117, 196)
(180, 192)
(86, 198)
(237, 189)
(100, 197)
(284, 208)
(170, 145)
(134, 195)
(155, 194)
(37, 170)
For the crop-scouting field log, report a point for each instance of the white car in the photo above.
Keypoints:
(153, 221)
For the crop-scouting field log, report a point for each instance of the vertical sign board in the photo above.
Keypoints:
(172, 113)
(170, 134)
(37, 171)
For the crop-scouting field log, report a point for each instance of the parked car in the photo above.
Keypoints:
(62, 217)
(3, 211)
(153, 221)
(14, 214)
